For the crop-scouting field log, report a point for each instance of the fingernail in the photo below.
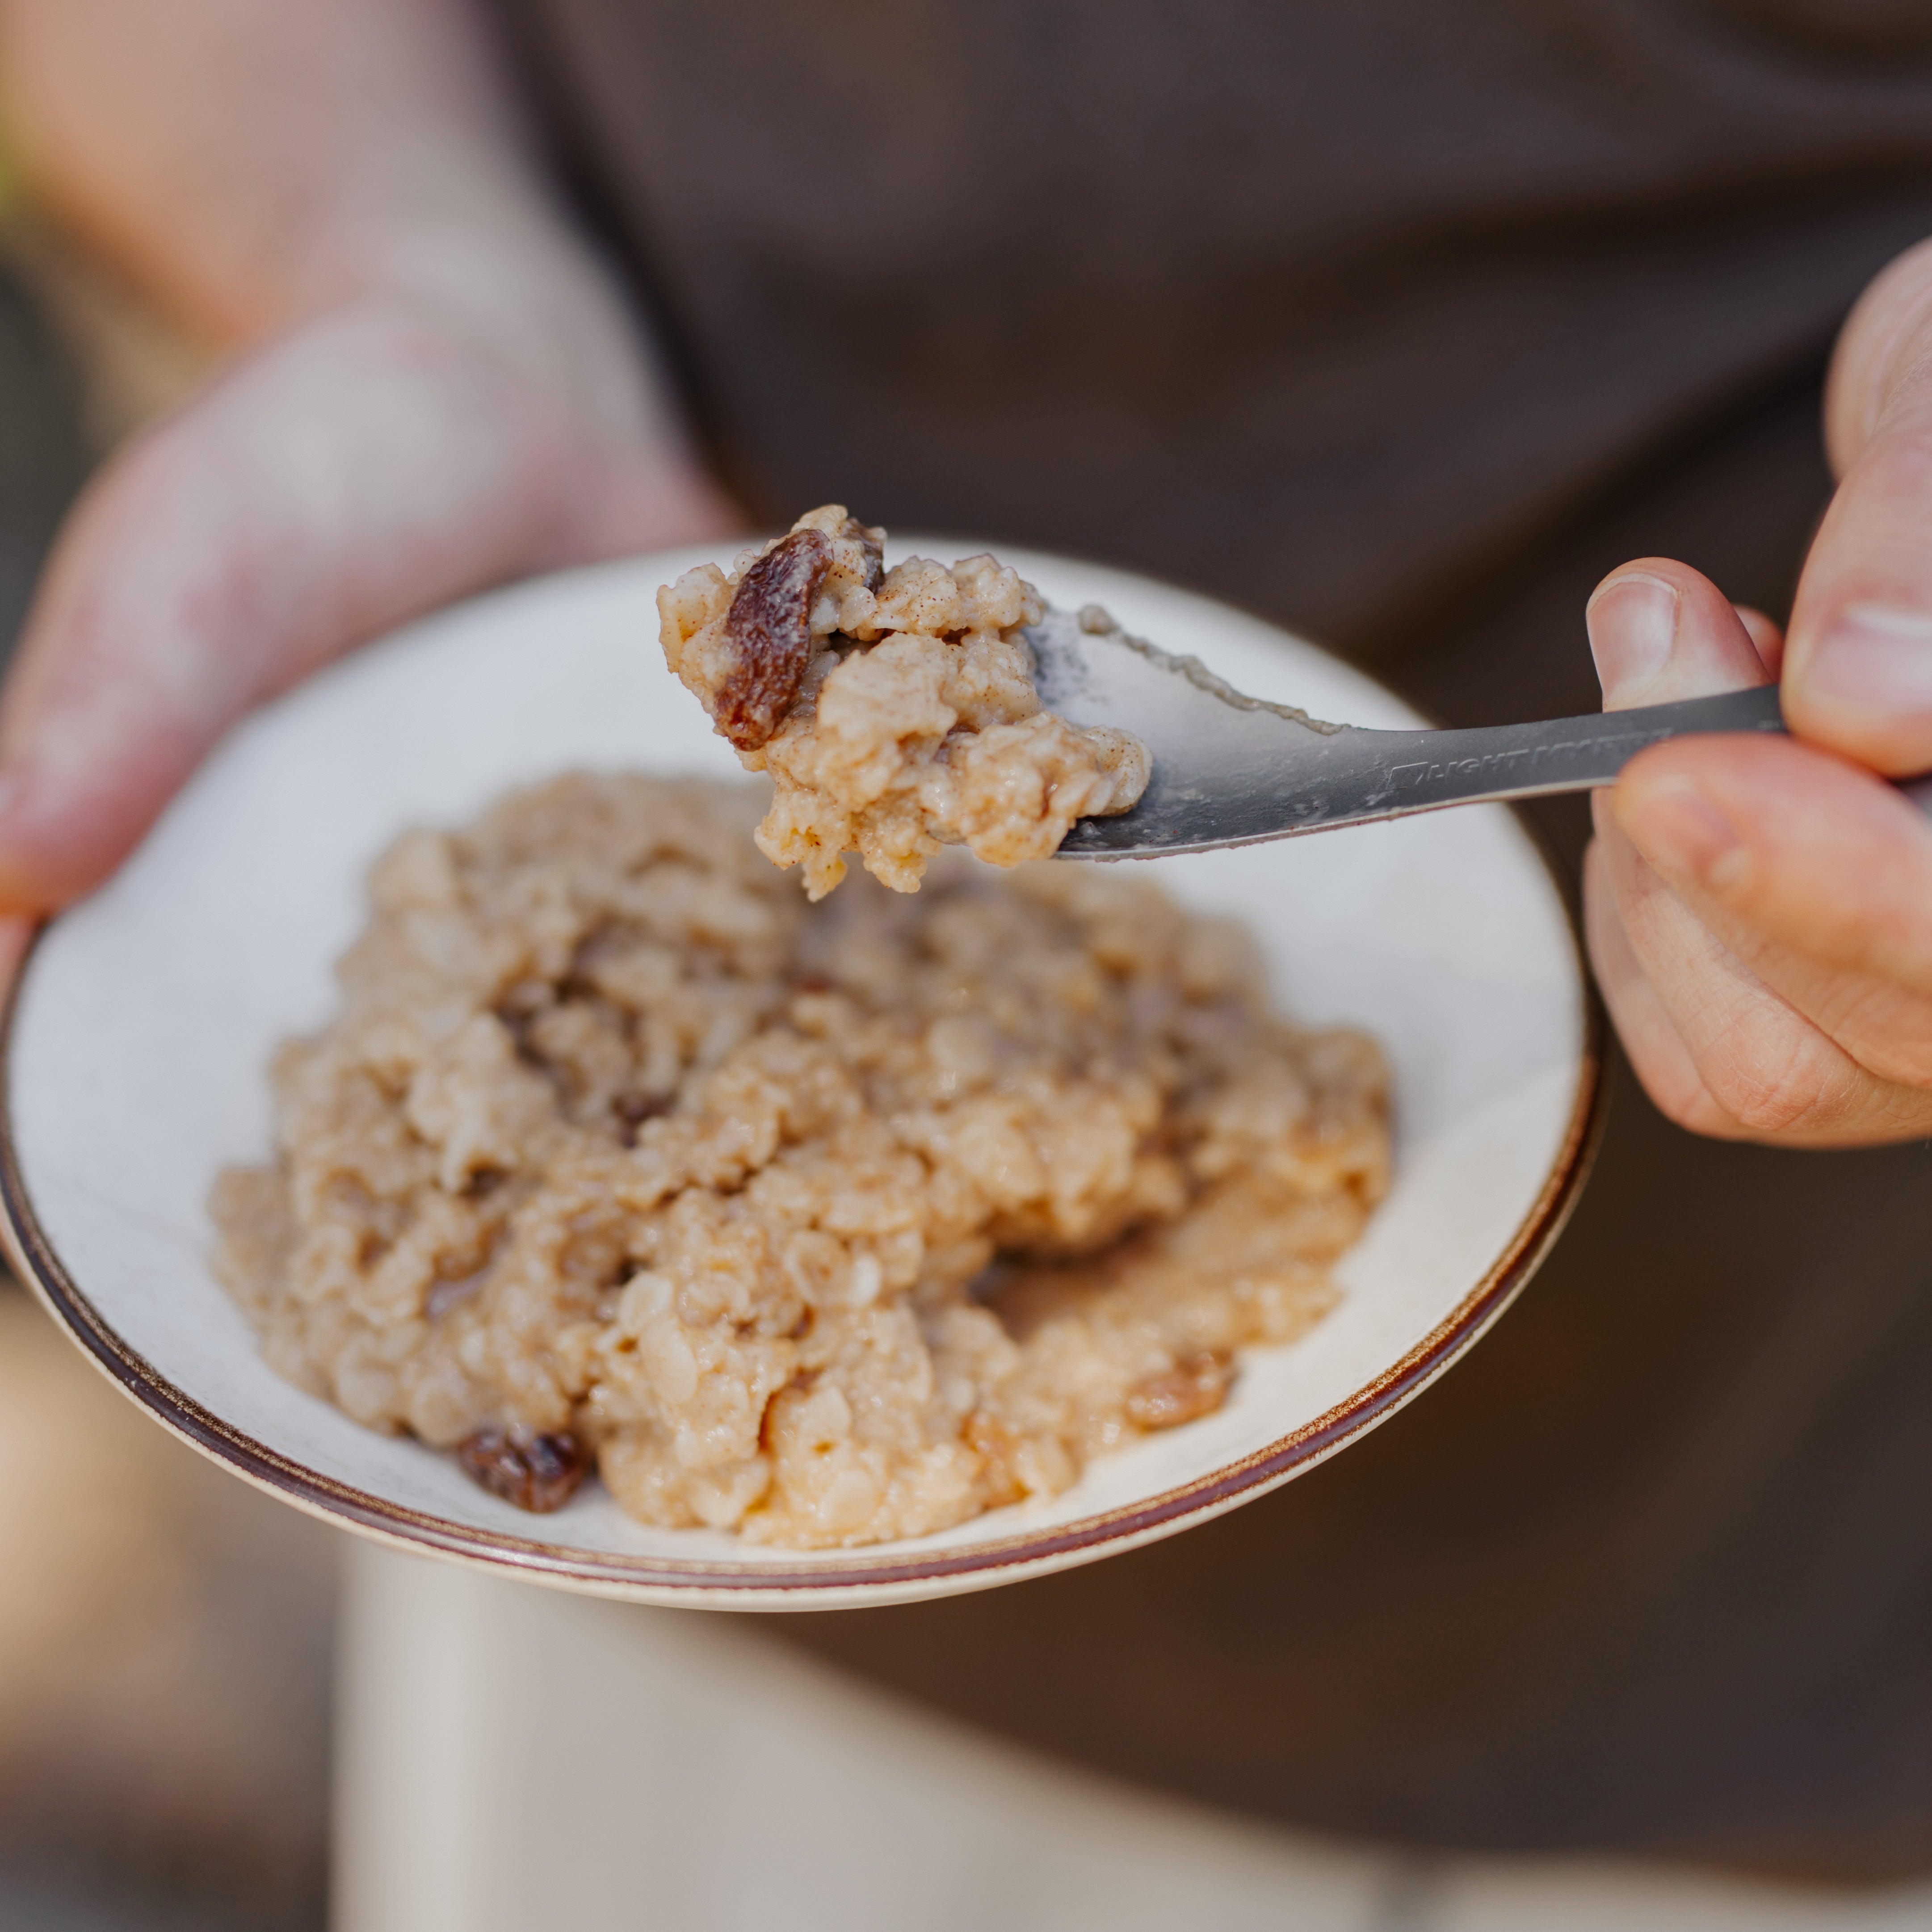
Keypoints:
(1632, 624)
(1875, 657)
(1678, 828)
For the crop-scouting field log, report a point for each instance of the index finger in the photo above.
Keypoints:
(1858, 667)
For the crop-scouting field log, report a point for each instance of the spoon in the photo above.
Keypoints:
(1229, 769)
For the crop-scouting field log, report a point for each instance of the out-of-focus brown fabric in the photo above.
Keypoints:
(1339, 308)
(1401, 322)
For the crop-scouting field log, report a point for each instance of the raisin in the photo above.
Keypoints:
(538, 1473)
(633, 1110)
(768, 625)
(1194, 1386)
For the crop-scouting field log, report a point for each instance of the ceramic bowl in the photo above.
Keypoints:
(138, 1041)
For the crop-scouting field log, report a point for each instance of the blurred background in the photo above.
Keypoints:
(165, 1631)
(166, 1635)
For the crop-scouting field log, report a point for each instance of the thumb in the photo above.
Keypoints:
(1660, 631)
(363, 470)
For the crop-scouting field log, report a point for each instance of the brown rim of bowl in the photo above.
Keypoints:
(795, 1585)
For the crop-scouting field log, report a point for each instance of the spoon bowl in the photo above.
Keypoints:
(1229, 769)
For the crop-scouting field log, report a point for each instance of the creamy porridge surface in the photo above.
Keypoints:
(826, 1224)
(895, 710)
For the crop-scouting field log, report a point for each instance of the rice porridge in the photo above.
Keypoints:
(894, 710)
(823, 1223)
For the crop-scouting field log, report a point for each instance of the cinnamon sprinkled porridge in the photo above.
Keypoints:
(827, 1224)
(895, 710)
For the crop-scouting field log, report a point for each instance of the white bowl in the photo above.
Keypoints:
(138, 1038)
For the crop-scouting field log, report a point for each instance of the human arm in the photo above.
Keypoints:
(431, 384)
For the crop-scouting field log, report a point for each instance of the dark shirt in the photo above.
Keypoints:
(1401, 321)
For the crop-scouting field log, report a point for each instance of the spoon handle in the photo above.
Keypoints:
(1571, 753)
(1422, 769)
(1270, 785)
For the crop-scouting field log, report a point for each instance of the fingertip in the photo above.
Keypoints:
(1660, 630)
(1858, 670)
(1632, 620)
(53, 849)
(1860, 681)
